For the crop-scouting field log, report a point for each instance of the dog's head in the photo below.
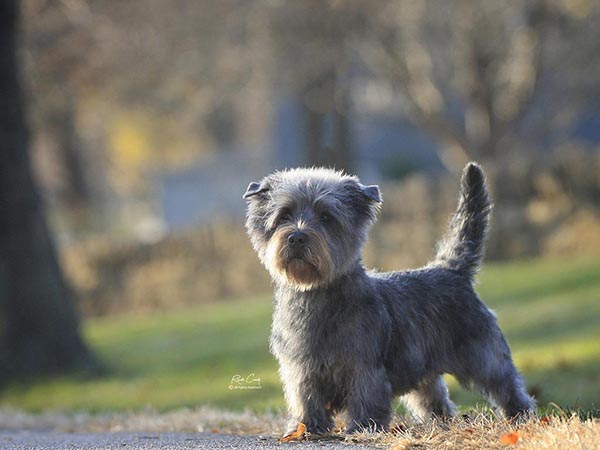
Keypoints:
(308, 226)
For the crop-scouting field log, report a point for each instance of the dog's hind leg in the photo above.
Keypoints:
(505, 389)
(491, 370)
(430, 399)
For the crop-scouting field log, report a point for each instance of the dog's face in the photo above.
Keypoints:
(308, 226)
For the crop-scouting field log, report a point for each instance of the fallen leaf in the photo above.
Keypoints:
(214, 430)
(328, 406)
(545, 420)
(297, 435)
(469, 430)
(510, 438)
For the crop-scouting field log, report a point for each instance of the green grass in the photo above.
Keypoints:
(549, 311)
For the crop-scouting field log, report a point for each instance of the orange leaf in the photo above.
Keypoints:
(545, 420)
(297, 435)
(469, 430)
(328, 406)
(510, 438)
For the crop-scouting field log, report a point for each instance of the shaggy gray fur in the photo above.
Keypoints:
(350, 340)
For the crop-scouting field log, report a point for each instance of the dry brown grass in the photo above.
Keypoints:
(481, 431)
(484, 432)
(183, 420)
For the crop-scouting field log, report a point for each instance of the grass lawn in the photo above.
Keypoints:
(549, 311)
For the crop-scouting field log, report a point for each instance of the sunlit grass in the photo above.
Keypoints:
(549, 310)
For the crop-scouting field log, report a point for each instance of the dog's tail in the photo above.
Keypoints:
(463, 246)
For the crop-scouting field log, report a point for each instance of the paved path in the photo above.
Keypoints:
(55, 440)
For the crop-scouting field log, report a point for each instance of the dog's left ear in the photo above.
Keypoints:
(371, 192)
(255, 188)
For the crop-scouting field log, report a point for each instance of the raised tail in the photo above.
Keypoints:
(463, 246)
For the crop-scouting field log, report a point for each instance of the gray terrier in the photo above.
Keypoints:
(349, 339)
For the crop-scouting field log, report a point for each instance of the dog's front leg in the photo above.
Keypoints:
(369, 400)
(305, 399)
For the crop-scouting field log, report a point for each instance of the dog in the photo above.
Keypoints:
(348, 339)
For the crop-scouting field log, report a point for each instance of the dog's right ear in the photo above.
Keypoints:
(255, 188)
(371, 192)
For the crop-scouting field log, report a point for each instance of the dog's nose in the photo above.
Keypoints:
(297, 238)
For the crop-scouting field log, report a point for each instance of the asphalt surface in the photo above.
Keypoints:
(56, 440)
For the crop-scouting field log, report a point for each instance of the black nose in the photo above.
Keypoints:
(297, 238)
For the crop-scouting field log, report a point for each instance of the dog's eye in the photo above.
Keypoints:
(324, 217)
(284, 217)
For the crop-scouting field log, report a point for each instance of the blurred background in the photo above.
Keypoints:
(130, 129)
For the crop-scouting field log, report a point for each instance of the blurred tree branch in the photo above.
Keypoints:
(471, 74)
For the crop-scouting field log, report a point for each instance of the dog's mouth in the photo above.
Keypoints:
(301, 270)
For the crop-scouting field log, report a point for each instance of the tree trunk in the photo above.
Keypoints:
(38, 323)
(76, 194)
(342, 142)
(312, 130)
(326, 127)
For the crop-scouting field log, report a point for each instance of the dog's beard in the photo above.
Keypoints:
(304, 268)
(301, 272)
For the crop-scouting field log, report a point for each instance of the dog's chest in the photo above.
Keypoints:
(309, 335)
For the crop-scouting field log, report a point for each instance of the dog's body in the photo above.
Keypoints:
(348, 339)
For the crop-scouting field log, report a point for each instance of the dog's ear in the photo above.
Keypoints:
(255, 188)
(371, 192)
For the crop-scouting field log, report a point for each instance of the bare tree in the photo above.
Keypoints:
(39, 325)
(472, 74)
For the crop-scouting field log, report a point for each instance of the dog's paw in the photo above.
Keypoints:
(365, 427)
